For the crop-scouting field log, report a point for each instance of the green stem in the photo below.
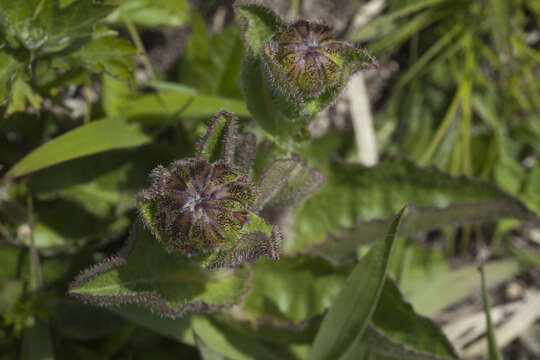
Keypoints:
(88, 101)
(140, 47)
(36, 280)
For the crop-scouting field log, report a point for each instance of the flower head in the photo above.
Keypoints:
(307, 55)
(199, 207)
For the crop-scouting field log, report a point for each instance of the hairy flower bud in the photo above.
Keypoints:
(204, 209)
(305, 55)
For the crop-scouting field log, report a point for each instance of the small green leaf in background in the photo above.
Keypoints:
(109, 55)
(493, 351)
(152, 13)
(38, 342)
(352, 310)
(165, 283)
(98, 136)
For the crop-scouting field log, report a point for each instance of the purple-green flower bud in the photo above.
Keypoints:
(306, 56)
(204, 209)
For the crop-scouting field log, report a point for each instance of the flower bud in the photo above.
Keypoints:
(197, 207)
(305, 56)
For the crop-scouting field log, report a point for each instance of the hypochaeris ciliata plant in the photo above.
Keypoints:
(204, 178)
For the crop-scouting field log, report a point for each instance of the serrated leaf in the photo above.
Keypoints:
(353, 308)
(108, 55)
(96, 137)
(165, 283)
(260, 23)
(286, 182)
(395, 319)
(152, 13)
(358, 201)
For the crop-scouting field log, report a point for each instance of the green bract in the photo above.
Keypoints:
(292, 71)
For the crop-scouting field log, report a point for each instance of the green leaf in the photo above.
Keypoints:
(212, 63)
(352, 310)
(165, 107)
(165, 283)
(395, 319)
(152, 13)
(493, 351)
(358, 202)
(292, 289)
(205, 352)
(456, 285)
(286, 182)
(108, 55)
(46, 27)
(9, 67)
(21, 94)
(260, 23)
(98, 136)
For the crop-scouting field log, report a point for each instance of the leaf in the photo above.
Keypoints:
(46, 27)
(351, 311)
(286, 182)
(357, 203)
(456, 285)
(167, 284)
(291, 290)
(493, 351)
(260, 23)
(165, 107)
(205, 352)
(98, 136)
(21, 94)
(152, 13)
(108, 55)
(212, 63)
(395, 319)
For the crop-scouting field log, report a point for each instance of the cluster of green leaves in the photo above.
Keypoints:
(351, 281)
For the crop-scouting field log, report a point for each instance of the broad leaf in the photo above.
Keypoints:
(98, 136)
(356, 205)
(353, 308)
(165, 283)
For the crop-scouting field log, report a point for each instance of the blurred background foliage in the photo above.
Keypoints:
(109, 92)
